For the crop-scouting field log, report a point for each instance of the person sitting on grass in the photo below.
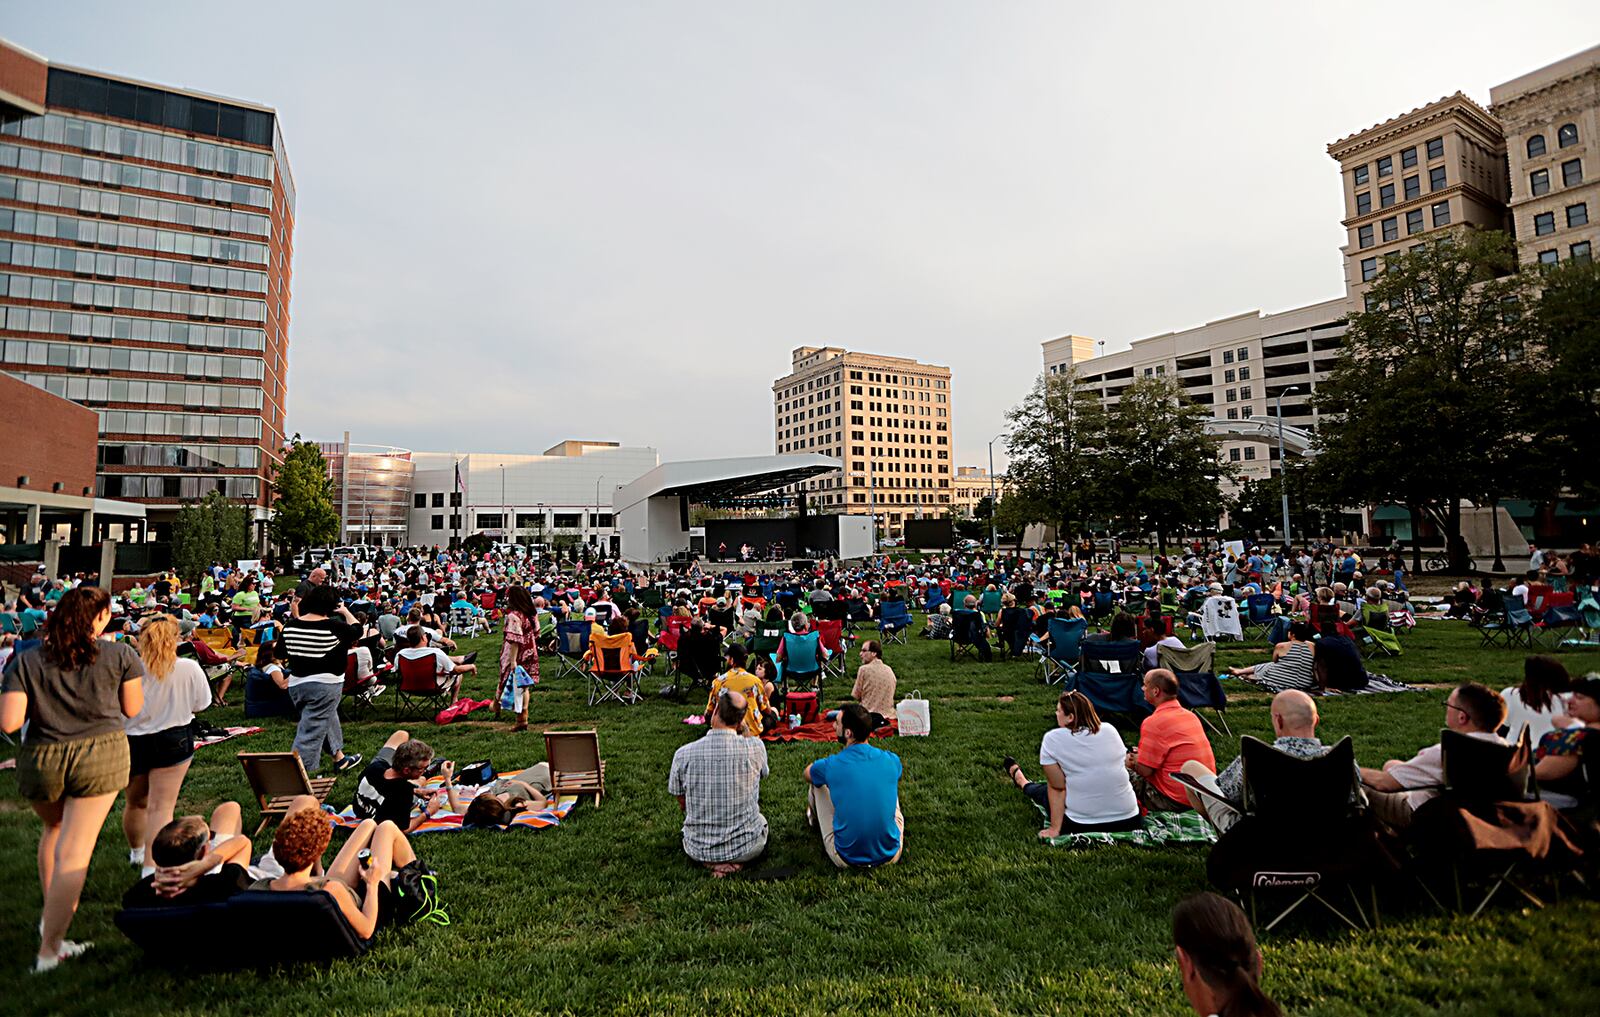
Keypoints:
(1086, 786)
(760, 714)
(201, 863)
(1218, 959)
(1403, 785)
(1293, 663)
(875, 683)
(939, 623)
(388, 787)
(717, 781)
(365, 898)
(1559, 766)
(854, 797)
(1170, 737)
(501, 800)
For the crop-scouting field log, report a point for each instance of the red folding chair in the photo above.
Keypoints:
(831, 633)
(421, 685)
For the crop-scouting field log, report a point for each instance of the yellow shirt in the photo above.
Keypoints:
(743, 682)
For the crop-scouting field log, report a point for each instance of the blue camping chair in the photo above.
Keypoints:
(572, 642)
(1518, 624)
(1259, 614)
(1060, 658)
(1197, 680)
(935, 598)
(966, 630)
(1112, 677)
(894, 619)
(801, 657)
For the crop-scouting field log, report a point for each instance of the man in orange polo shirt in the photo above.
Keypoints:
(1168, 738)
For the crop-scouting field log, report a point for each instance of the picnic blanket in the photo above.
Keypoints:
(450, 822)
(1159, 828)
(820, 731)
(233, 732)
(1375, 683)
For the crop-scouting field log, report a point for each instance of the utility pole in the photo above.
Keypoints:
(1283, 465)
(994, 501)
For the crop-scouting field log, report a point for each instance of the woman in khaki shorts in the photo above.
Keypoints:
(74, 692)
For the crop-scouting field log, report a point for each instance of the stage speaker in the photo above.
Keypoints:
(805, 564)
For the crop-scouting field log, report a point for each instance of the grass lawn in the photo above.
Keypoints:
(604, 914)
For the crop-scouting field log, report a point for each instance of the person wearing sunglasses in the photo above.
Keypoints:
(1403, 785)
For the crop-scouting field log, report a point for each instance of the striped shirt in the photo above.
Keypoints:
(317, 649)
(1296, 669)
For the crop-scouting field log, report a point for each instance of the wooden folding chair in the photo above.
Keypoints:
(278, 778)
(575, 764)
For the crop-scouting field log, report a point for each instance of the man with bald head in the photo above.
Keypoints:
(1294, 722)
(315, 578)
(717, 780)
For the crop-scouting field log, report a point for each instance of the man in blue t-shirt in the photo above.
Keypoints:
(855, 796)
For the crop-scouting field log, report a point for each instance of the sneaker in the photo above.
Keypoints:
(350, 761)
(136, 856)
(68, 950)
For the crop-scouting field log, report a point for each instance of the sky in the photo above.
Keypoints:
(520, 223)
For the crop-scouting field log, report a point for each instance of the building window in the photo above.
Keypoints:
(1572, 173)
(1244, 374)
(1548, 257)
(1364, 236)
(438, 499)
(1441, 213)
(1413, 187)
(1233, 413)
(1363, 202)
(1436, 148)
(1386, 166)
(1536, 146)
(1227, 356)
(1232, 396)
(1414, 221)
(1233, 453)
(1566, 134)
(1361, 174)
(529, 521)
(1149, 372)
(1391, 229)
(1244, 354)
(1386, 195)
(490, 520)
(1249, 451)
(1244, 393)
(1408, 157)
(1544, 224)
(1436, 181)
(437, 522)
(1580, 251)
(1539, 182)
(1230, 376)
(568, 520)
(600, 520)
(419, 501)
(1369, 272)
(1578, 215)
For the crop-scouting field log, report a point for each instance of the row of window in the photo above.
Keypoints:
(421, 500)
(166, 393)
(177, 425)
(110, 204)
(113, 234)
(1241, 412)
(1366, 237)
(150, 146)
(1580, 251)
(126, 266)
(156, 330)
(131, 298)
(1235, 394)
(1412, 188)
(1566, 135)
(1544, 223)
(1571, 176)
(113, 174)
(1408, 159)
(1242, 354)
(125, 485)
(106, 358)
(181, 456)
(1249, 453)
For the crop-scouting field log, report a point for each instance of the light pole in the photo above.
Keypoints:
(994, 538)
(596, 500)
(1283, 464)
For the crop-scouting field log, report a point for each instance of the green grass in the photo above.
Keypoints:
(603, 914)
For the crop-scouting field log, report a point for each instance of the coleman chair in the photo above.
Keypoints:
(769, 634)
(966, 633)
(1490, 618)
(575, 764)
(613, 669)
(1258, 613)
(1377, 635)
(1305, 833)
(278, 778)
(421, 685)
(572, 644)
(1112, 677)
(1197, 681)
(1063, 650)
(894, 620)
(1487, 827)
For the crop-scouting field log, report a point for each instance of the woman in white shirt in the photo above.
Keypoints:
(1538, 700)
(160, 742)
(1086, 787)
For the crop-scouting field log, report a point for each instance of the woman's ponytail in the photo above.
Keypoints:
(1216, 936)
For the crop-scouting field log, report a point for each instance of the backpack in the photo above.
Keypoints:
(416, 890)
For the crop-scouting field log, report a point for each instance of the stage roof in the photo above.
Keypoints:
(703, 479)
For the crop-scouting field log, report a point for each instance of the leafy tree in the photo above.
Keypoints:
(211, 529)
(1057, 434)
(1015, 513)
(1567, 394)
(304, 513)
(1417, 410)
(1160, 461)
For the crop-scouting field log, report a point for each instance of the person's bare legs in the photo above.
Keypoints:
(135, 810)
(81, 822)
(346, 867)
(391, 851)
(164, 785)
(50, 814)
(226, 820)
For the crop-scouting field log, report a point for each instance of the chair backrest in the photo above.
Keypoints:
(612, 652)
(1516, 612)
(417, 674)
(461, 617)
(700, 658)
(572, 637)
(1485, 770)
(895, 613)
(1120, 656)
(800, 652)
(1325, 617)
(829, 610)
(1260, 607)
(831, 632)
(1197, 659)
(1293, 790)
(572, 752)
(217, 638)
(1066, 638)
(965, 625)
(602, 613)
(274, 774)
(1375, 616)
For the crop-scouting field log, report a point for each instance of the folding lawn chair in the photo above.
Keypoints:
(1197, 680)
(613, 669)
(698, 660)
(807, 647)
(422, 686)
(831, 632)
(360, 693)
(575, 764)
(966, 632)
(1258, 612)
(894, 620)
(1491, 619)
(1518, 623)
(278, 778)
(572, 643)
(1112, 677)
(1059, 661)
(1376, 632)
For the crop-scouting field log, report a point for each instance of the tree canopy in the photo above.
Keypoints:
(210, 530)
(303, 510)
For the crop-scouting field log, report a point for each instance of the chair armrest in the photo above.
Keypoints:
(1200, 789)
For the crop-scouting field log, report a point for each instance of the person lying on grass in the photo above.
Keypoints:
(390, 783)
(201, 863)
(500, 802)
(366, 897)
(717, 781)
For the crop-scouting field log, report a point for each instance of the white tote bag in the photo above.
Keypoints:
(914, 716)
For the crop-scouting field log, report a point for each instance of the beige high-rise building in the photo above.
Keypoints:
(1551, 120)
(888, 418)
(971, 485)
(1060, 354)
(1443, 164)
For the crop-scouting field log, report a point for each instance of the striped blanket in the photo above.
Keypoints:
(450, 822)
(1159, 828)
(233, 732)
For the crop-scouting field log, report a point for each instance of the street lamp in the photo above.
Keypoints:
(1283, 465)
(994, 538)
(597, 480)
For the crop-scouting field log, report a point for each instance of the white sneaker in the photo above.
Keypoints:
(136, 856)
(68, 949)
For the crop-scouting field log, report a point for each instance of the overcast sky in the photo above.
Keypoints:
(536, 221)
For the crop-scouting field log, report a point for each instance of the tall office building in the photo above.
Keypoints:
(1061, 354)
(372, 484)
(888, 418)
(145, 247)
(1551, 119)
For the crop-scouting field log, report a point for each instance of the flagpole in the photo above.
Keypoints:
(455, 516)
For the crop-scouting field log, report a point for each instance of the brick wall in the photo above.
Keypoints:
(45, 438)
(22, 75)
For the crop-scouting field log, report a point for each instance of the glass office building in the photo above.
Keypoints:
(145, 249)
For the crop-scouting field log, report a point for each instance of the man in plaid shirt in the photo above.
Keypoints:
(718, 783)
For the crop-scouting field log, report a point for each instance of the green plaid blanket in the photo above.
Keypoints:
(1159, 828)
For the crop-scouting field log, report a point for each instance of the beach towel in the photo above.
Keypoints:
(1375, 683)
(1159, 828)
(819, 731)
(450, 822)
(233, 732)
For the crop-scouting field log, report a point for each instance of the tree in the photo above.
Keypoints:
(1417, 410)
(303, 510)
(1014, 514)
(1057, 434)
(1568, 422)
(1158, 458)
(210, 530)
